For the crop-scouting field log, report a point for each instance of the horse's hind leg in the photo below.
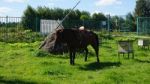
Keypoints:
(96, 48)
(73, 58)
(86, 53)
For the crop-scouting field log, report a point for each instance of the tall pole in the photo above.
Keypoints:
(108, 24)
(137, 25)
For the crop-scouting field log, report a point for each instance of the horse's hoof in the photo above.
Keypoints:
(97, 60)
(85, 60)
(72, 64)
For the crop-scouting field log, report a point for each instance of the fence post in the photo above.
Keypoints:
(137, 25)
(6, 32)
(6, 21)
(36, 22)
(83, 22)
(108, 24)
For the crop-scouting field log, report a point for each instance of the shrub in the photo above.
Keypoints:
(13, 35)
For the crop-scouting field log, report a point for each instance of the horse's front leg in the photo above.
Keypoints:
(86, 53)
(73, 56)
(71, 60)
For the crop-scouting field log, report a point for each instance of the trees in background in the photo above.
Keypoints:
(32, 16)
(29, 18)
(131, 21)
(142, 8)
(99, 17)
(115, 22)
(85, 15)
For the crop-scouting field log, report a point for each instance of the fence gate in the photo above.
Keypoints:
(143, 25)
(48, 26)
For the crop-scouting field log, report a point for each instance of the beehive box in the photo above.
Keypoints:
(125, 46)
(143, 42)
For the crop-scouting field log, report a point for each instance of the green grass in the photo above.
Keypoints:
(23, 63)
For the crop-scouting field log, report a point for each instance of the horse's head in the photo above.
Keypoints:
(59, 36)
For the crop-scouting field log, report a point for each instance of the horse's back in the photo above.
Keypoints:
(85, 37)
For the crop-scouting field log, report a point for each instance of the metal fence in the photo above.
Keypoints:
(143, 25)
(7, 22)
(18, 28)
(12, 30)
(37, 23)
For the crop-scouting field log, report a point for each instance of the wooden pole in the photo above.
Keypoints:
(68, 14)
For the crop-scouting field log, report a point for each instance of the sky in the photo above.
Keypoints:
(15, 8)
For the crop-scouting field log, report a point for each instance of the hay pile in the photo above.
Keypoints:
(49, 43)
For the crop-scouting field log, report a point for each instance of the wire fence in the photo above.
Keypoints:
(35, 24)
(21, 28)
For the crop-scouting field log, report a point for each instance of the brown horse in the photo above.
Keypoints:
(77, 39)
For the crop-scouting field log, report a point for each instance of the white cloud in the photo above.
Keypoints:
(4, 10)
(108, 2)
(15, 1)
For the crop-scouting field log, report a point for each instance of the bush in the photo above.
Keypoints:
(13, 35)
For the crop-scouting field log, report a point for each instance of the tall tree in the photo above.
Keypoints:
(131, 21)
(117, 22)
(142, 8)
(85, 15)
(99, 17)
(29, 18)
(43, 12)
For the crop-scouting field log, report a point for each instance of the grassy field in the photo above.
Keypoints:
(23, 63)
